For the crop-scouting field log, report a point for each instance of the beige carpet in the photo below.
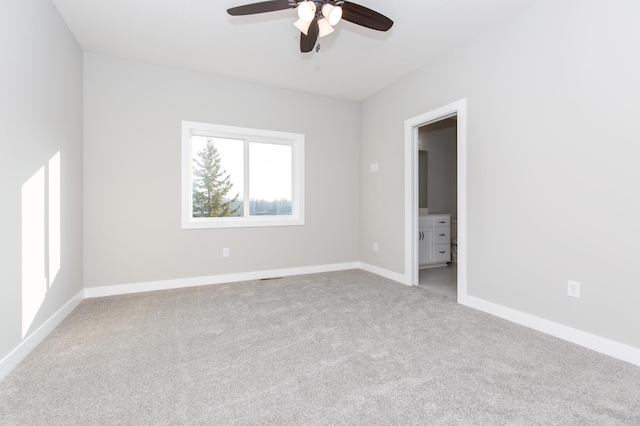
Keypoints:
(336, 348)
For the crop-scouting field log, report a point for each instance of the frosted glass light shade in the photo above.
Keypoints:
(307, 11)
(332, 13)
(302, 26)
(324, 27)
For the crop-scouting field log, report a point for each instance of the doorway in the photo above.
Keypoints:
(455, 110)
(437, 206)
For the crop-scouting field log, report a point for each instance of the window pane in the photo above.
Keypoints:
(270, 179)
(218, 176)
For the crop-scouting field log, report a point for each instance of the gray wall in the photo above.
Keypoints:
(553, 156)
(440, 141)
(41, 116)
(133, 232)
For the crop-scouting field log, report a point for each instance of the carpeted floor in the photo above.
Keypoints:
(333, 349)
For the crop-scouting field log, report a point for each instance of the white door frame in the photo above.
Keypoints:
(411, 126)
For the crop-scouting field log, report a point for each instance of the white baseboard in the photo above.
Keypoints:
(599, 344)
(213, 279)
(383, 273)
(596, 343)
(14, 357)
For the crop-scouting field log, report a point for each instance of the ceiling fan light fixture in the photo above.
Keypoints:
(307, 10)
(302, 26)
(317, 17)
(324, 27)
(332, 13)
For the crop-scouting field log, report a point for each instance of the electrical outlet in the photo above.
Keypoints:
(375, 246)
(573, 289)
(373, 167)
(225, 252)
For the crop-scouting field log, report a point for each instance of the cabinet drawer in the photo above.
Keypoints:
(442, 252)
(442, 235)
(428, 221)
(442, 221)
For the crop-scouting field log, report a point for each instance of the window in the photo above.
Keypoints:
(237, 177)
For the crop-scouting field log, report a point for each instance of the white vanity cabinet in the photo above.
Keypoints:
(425, 246)
(434, 240)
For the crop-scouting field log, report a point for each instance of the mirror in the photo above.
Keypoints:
(422, 179)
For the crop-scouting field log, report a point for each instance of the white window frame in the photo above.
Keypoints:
(295, 140)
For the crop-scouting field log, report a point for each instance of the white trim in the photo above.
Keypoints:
(213, 279)
(25, 347)
(383, 272)
(411, 126)
(599, 344)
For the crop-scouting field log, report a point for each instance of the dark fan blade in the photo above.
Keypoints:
(262, 7)
(308, 42)
(366, 17)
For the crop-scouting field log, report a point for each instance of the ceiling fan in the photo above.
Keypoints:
(317, 17)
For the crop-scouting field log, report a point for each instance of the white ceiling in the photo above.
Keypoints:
(353, 63)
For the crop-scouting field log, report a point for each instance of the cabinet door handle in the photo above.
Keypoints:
(442, 235)
(442, 222)
(442, 252)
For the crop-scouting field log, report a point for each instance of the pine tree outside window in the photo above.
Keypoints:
(239, 177)
(211, 182)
